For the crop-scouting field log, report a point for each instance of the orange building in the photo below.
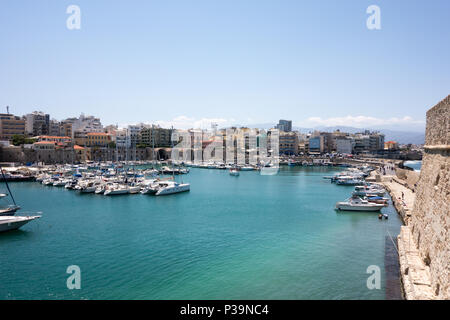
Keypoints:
(98, 139)
(61, 141)
(390, 145)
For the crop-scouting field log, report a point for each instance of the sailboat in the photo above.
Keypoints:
(9, 210)
(7, 220)
(171, 187)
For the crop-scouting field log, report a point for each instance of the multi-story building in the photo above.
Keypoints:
(65, 129)
(37, 123)
(121, 139)
(344, 145)
(288, 143)
(316, 144)
(98, 139)
(10, 126)
(159, 137)
(134, 134)
(84, 124)
(368, 141)
(284, 125)
(54, 128)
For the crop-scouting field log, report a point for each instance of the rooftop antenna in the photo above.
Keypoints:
(7, 109)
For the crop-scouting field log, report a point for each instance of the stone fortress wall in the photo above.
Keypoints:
(424, 244)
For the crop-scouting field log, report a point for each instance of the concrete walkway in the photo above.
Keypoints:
(415, 274)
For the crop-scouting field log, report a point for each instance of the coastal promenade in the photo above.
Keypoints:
(415, 274)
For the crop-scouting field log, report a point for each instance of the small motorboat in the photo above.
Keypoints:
(358, 204)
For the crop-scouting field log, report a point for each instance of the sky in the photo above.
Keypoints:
(190, 63)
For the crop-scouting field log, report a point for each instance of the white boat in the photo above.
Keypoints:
(115, 190)
(247, 168)
(171, 187)
(234, 172)
(357, 204)
(9, 210)
(8, 223)
(369, 191)
(59, 183)
(134, 189)
(349, 181)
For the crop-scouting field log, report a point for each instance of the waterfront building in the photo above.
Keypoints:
(98, 139)
(288, 143)
(284, 125)
(344, 145)
(10, 126)
(156, 135)
(316, 144)
(37, 123)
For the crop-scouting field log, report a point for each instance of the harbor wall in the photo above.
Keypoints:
(29, 155)
(408, 178)
(424, 244)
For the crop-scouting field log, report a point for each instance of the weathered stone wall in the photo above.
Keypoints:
(25, 155)
(408, 178)
(430, 220)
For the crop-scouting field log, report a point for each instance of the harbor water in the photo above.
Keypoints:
(245, 237)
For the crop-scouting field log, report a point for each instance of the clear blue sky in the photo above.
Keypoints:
(243, 61)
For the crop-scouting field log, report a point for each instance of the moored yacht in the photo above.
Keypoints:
(170, 187)
(8, 223)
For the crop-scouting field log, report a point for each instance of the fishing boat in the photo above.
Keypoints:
(358, 204)
(8, 223)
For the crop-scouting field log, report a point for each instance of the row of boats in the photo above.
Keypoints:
(368, 197)
(115, 185)
(351, 176)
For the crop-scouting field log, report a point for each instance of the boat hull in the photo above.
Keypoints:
(14, 223)
(345, 207)
(172, 190)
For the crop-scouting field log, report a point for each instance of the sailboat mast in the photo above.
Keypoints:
(7, 186)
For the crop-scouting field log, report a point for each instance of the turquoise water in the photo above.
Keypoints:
(246, 237)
